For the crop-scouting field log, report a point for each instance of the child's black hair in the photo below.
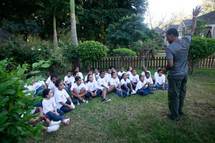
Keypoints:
(57, 83)
(45, 92)
(147, 73)
(88, 77)
(77, 78)
(113, 72)
(123, 75)
(160, 70)
(53, 76)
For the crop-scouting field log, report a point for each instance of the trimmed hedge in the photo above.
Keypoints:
(123, 52)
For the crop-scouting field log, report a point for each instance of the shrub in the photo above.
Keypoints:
(123, 52)
(15, 106)
(90, 51)
(200, 48)
(24, 52)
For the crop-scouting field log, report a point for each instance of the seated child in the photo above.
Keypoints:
(108, 75)
(160, 80)
(126, 85)
(134, 77)
(129, 72)
(114, 82)
(79, 90)
(92, 87)
(51, 84)
(69, 80)
(103, 85)
(142, 87)
(148, 79)
(156, 74)
(90, 73)
(120, 72)
(50, 109)
(96, 73)
(78, 73)
(62, 98)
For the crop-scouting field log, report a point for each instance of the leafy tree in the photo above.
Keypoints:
(95, 16)
(128, 30)
(208, 6)
(54, 9)
(74, 37)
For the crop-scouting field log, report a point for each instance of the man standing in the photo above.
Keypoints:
(177, 59)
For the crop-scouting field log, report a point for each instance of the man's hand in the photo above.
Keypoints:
(196, 12)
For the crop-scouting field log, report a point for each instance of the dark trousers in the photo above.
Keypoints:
(65, 109)
(53, 116)
(144, 91)
(176, 95)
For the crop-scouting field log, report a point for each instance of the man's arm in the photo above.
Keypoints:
(196, 12)
(169, 56)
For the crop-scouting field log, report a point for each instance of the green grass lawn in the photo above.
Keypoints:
(143, 119)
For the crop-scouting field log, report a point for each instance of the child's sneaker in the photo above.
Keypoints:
(133, 92)
(53, 128)
(106, 100)
(53, 123)
(66, 121)
(85, 101)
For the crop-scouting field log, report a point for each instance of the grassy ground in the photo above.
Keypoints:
(142, 119)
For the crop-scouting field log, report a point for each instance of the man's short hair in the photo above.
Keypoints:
(172, 31)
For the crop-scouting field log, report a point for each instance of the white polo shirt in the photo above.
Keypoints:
(49, 105)
(61, 96)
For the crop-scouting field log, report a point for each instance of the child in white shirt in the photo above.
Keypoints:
(92, 87)
(51, 84)
(120, 72)
(50, 109)
(78, 73)
(129, 71)
(96, 73)
(126, 85)
(148, 79)
(114, 82)
(103, 85)
(142, 87)
(90, 73)
(160, 80)
(69, 79)
(134, 77)
(79, 90)
(108, 75)
(62, 98)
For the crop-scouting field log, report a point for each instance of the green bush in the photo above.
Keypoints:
(200, 48)
(90, 51)
(123, 52)
(24, 52)
(15, 106)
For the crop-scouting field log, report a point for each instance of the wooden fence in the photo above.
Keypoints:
(151, 63)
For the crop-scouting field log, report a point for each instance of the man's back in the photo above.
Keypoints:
(178, 51)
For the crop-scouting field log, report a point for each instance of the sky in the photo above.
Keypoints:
(165, 10)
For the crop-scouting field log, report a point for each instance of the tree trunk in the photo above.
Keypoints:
(55, 41)
(73, 23)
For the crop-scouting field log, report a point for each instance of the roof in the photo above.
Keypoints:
(158, 30)
(172, 26)
(187, 22)
(209, 18)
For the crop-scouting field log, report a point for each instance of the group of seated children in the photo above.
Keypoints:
(61, 96)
